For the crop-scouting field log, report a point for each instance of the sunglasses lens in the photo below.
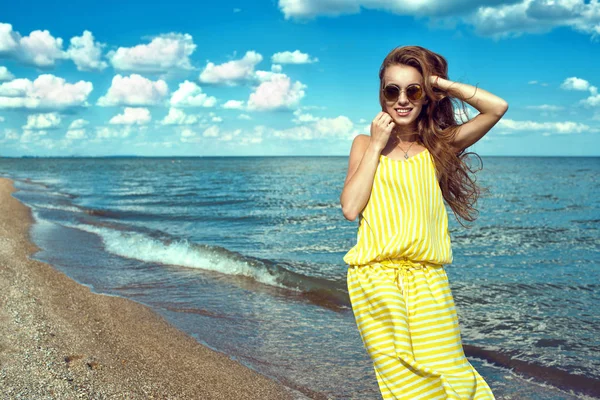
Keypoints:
(414, 92)
(391, 92)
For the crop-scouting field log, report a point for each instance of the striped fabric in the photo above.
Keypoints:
(399, 290)
(405, 215)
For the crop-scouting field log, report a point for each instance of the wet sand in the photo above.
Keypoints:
(58, 340)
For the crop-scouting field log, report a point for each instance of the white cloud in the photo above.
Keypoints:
(86, 53)
(31, 136)
(234, 105)
(277, 93)
(162, 54)
(189, 136)
(499, 19)
(574, 83)
(47, 91)
(42, 121)
(134, 90)
(5, 74)
(178, 117)
(301, 117)
(132, 116)
(545, 107)
(41, 49)
(508, 126)
(105, 132)
(591, 101)
(232, 72)
(319, 128)
(76, 130)
(78, 124)
(212, 131)
(9, 39)
(244, 117)
(11, 134)
(75, 134)
(190, 95)
(295, 57)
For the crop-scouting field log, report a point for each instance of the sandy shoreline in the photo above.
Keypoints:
(58, 340)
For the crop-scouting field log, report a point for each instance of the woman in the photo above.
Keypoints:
(397, 181)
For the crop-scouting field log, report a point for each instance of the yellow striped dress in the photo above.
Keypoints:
(399, 290)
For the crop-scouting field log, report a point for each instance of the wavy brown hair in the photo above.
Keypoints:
(437, 127)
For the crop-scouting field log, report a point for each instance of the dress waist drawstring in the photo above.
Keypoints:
(402, 267)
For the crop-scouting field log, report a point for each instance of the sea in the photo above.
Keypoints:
(245, 255)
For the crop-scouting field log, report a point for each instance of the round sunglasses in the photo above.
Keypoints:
(391, 92)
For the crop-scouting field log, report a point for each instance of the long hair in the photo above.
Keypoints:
(437, 127)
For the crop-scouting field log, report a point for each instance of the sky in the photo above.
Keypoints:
(283, 77)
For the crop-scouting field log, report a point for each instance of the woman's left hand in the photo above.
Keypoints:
(434, 81)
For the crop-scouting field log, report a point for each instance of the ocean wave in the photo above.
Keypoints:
(182, 252)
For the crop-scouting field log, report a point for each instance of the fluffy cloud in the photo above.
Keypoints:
(545, 107)
(43, 50)
(163, 53)
(189, 136)
(320, 128)
(5, 75)
(46, 92)
(536, 16)
(134, 90)
(190, 95)
(132, 116)
(233, 72)
(295, 57)
(76, 130)
(276, 93)
(213, 132)
(40, 48)
(499, 19)
(105, 132)
(32, 136)
(234, 105)
(301, 117)
(11, 134)
(86, 53)
(574, 83)
(42, 121)
(178, 117)
(509, 126)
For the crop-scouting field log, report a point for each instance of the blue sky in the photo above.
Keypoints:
(282, 77)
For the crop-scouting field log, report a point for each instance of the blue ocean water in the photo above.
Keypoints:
(245, 254)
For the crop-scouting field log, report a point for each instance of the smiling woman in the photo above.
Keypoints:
(397, 181)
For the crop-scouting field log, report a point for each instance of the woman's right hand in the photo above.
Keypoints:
(381, 128)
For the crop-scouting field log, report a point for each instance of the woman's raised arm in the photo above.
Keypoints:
(362, 164)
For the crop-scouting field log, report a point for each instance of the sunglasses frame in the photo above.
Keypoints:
(400, 92)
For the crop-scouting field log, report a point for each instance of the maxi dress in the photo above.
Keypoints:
(401, 299)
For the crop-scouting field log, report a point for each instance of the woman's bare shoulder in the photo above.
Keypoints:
(360, 143)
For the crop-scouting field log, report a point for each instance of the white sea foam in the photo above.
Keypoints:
(56, 207)
(182, 253)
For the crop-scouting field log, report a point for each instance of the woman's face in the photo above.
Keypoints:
(403, 76)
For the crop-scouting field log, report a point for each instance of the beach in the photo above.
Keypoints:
(59, 340)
